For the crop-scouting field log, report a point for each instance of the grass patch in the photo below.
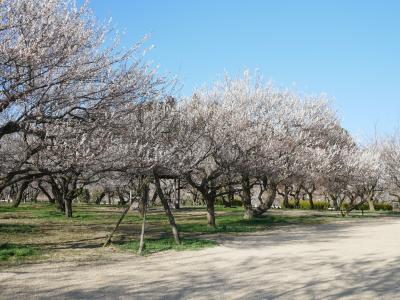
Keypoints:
(16, 252)
(17, 228)
(164, 244)
(234, 223)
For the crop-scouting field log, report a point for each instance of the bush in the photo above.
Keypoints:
(321, 205)
(383, 206)
(305, 204)
(378, 206)
(236, 201)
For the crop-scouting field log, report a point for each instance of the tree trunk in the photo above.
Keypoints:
(121, 198)
(310, 198)
(297, 199)
(352, 207)
(246, 196)
(371, 204)
(286, 197)
(68, 207)
(141, 243)
(99, 198)
(210, 201)
(153, 198)
(35, 195)
(335, 202)
(167, 209)
(20, 194)
(58, 196)
(177, 193)
(144, 200)
(231, 195)
(272, 190)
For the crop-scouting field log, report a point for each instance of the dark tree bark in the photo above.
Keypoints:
(20, 194)
(310, 199)
(144, 200)
(285, 195)
(246, 196)
(335, 203)
(296, 195)
(231, 196)
(210, 202)
(121, 198)
(153, 198)
(68, 207)
(354, 206)
(100, 197)
(209, 194)
(177, 193)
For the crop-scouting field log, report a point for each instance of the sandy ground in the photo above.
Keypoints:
(350, 260)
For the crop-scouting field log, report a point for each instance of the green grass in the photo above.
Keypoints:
(17, 228)
(16, 252)
(164, 244)
(233, 222)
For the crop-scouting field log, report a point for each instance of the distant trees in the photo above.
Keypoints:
(390, 155)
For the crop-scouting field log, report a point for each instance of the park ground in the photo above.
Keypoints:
(284, 255)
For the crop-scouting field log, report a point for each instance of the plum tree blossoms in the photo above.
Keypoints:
(76, 113)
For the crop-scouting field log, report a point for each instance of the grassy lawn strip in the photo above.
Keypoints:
(164, 244)
(234, 223)
(16, 252)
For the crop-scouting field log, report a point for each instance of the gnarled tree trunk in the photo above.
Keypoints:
(20, 194)
(271, 196)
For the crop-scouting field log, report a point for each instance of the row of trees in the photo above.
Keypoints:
(75, 111)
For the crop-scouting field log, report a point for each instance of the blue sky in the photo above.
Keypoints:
(347, 49)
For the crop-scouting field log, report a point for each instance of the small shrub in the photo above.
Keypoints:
(305, 204)
(383, 206)
(321, 205)
(236, 201)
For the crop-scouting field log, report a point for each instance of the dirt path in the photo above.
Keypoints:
(354, 260)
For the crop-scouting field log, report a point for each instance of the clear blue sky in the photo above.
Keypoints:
(347, 49)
